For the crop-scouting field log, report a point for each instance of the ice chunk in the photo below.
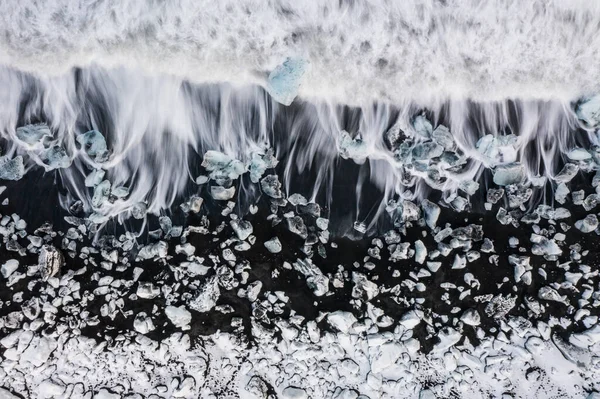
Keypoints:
(271, 186)
(94, 178)
(284, 81)
(341, 321)
(426, 151)
(273, 245)
(469, 186)
(588, 111)
(471, 317)
(11, 169)
(560, 195)
(223, 169)
(101, 194)
(297, 199)
(194, 204)
(498, 150)
(315, 279)
(50, 261)
(297, 226)
(432, 213)
(33, 134)
(206, 296)
(57, 158)
(179, 316)
(9, 267)
(222, 193)
(587, 224)
(512, 173)
(422, 126)
(352, 148)
(443, 137)
(420, 252)
(242, 228)
(579, 154)
(138, 211)
(260, 163)
(567, 173)
(120, 192)
(94, 145)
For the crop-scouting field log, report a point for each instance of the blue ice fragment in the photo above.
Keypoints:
(352, 148)
(284, 81)
(57, 158)
(223, 169)
(11, 169)
(508, 174)
(589, 111)
(260, 163)
(32, 134)
(94, 144)
(422, 126)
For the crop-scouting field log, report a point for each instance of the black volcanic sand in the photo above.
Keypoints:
(35, 198)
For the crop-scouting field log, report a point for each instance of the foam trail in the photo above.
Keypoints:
(158, 128)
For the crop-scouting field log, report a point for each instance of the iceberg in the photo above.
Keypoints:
(284, 81)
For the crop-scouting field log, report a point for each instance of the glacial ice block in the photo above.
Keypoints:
(57, 158)
(284, 81)
(94, 144)
(32, 134)
(11, 169)
(223, 169)
(589, 111)
(512, 173)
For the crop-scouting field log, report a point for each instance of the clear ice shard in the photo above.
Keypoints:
(352, 148)
(11, 169)
(260, 163)
(498, 150)
(567, 173)
(422, 126)
(223, 169)
(101, 193)
(94, 144)
(284, 81)
(206, 296)
(589, 111)
(33, 134)
(512, 173)
(222, 193)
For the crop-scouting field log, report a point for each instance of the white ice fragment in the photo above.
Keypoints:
(94, 145)
(587, 224)
(223, 168)
(460, 262)
(206, 296)
(11, 169)
(420, 252)
(9, 267)
(179, 316)
(221, 193)
(56, 157)
(50, 261)
(560, 195)
(579, 154)
(294, 393)
(411, 319)
(352, 148)
(468, 186)
(142, 323)
(507, 174)
(273, 245)
(147, 291)
(120, 192)
(94, 178)
(431, 212)
(296, 225)
(567, 173)
(284, 81)
(101, 194)
(242, 228)
(341, 321)
(271, 186)
(588, 111)
(259, 164)
(471, 317)
(33, 134)
(498, 150)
